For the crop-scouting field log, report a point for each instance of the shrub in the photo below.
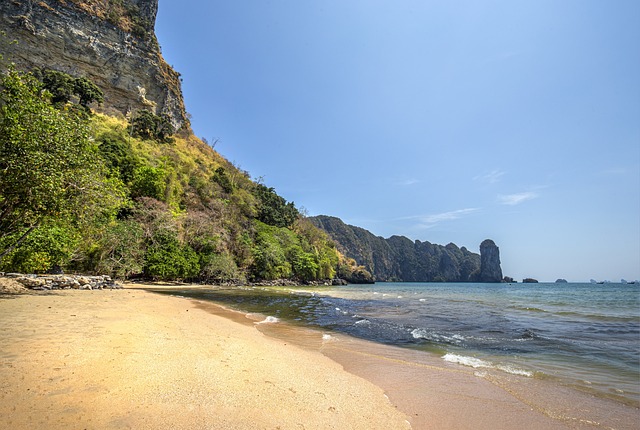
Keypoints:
(149, 182)
(221, 178)
(147, 125)
(168, 259)
(219, 268)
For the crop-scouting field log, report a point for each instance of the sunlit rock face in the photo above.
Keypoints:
(490, 270)
(109, 42)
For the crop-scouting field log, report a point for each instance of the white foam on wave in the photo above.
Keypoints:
(420, 333)
(478, 363)
(423, 300)
(514, 370)
(269, 320)
(327, 337)
(363, 322)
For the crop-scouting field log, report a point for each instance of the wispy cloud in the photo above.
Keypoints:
(408, 182)
(516, 199)
(491, 177)
(498, 58)
(614, 171)
(428, 221)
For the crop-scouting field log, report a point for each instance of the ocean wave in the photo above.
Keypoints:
(269, 320)
(478, 363)
(528, 309)
(420, 333)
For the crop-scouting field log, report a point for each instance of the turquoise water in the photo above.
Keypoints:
(586, 336)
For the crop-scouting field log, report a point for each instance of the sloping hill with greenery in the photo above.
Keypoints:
(87, 192)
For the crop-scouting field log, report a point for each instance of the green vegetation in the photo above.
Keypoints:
(48, 164)
(63, 87)
(94, 193)
(147, 125)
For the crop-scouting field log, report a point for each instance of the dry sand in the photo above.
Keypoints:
(133, 359)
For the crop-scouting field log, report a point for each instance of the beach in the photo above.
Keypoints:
(112, 359)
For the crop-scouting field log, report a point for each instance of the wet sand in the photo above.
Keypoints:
(133, 359)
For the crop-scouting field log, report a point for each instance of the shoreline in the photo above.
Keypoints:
(452, 395)
(134, 359)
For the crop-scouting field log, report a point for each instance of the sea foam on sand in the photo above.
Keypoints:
(478, 363)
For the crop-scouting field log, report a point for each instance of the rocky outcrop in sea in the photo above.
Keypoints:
(490, 270)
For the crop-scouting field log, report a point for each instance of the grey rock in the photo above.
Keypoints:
(490, 270)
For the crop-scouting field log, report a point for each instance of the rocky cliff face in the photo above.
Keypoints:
(400, 259)
(111, 42)
(490, 270)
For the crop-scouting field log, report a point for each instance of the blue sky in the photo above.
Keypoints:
(447, 121)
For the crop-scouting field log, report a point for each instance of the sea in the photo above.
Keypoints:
(582, 335)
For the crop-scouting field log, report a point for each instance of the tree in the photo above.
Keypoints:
(63, 86)
(87, 92)
(48, 166)
(273, 209)
(147, 125)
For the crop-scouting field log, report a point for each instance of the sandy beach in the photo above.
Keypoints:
(117, 359)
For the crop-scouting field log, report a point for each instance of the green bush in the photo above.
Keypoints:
(50, 169)
(118, 155)
(221, 178)
(63, 87)
(168, 259)
(46, 246)
(219, 268)
(149, 182)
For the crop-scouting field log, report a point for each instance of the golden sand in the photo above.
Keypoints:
(118, 359)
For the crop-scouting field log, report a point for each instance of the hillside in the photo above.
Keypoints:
(399, 259)
(101, 173)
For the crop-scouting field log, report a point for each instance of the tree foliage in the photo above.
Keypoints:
(63, 87)
(147, 125)
(221, 178)
(274, 209)
(48, 165)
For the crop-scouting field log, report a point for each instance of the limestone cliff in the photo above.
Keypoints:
(111, 42)
(400, 259)
(490, 270)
